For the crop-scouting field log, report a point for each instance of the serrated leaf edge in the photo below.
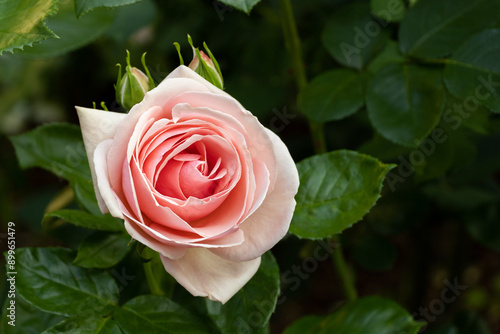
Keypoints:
(52, 10)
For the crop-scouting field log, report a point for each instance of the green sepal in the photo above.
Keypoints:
(150, 78)
(178, 48)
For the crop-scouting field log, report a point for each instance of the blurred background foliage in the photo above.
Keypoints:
(441, 222)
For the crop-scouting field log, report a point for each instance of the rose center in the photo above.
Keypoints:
(191, 173)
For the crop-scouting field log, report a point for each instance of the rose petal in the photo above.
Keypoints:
(97, 126)
(157, 234)
(185, 72)
(107, 197)
(205, 274)
(172, 252)
(270, 222)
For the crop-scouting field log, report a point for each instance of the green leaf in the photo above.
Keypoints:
(59, 149)
(365, 315)
(21, 23)
(243, 5)
(374, 253)
(27, 317)
(437, 158)
(85, 195)
(102, 249)
(389, 10)
(333, 95)
(460, 111)
(473, 73)
(479, 121)
(436, 28)
(405, 102)
(389, 55)
(85, 325)
(305, 325)
(47, 279)
(73, 32)
(85, 6)
(352, 36)
(336, 190)
(153, 314)
(87, 220)
(250, 309)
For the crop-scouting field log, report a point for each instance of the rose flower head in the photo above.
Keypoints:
(195, 177)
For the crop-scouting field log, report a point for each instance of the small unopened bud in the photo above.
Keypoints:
(206, 65)
(133, 85)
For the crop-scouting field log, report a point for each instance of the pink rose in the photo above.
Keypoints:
(196, 178)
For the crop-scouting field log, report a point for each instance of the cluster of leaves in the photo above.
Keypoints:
(428, 78)
(423, 72)
(426, 75)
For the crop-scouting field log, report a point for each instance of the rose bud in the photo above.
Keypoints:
(206, 66)
(133, 85)
(195, 177)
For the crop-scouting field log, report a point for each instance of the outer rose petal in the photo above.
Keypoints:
(97, 126)
(204, 274)
(165, 250)
(185, 72)
(107, 200)
(270, 222)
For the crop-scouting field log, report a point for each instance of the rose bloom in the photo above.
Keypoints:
(196, 178)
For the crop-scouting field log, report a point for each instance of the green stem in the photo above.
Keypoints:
(292, 41)
(153, 284)
(345, 273)
(160, 283)
(318, 136)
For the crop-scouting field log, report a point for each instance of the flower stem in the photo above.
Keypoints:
(160, 283)
(292, 42)
(61, 200)
(318, 137)
(345, 273)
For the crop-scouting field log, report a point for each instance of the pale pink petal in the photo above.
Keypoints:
(167, 250)
(185, 72)
(205, 274)
(262, 182)
(107, 197)
(97, 126)
(158, 234)
(270, 222)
